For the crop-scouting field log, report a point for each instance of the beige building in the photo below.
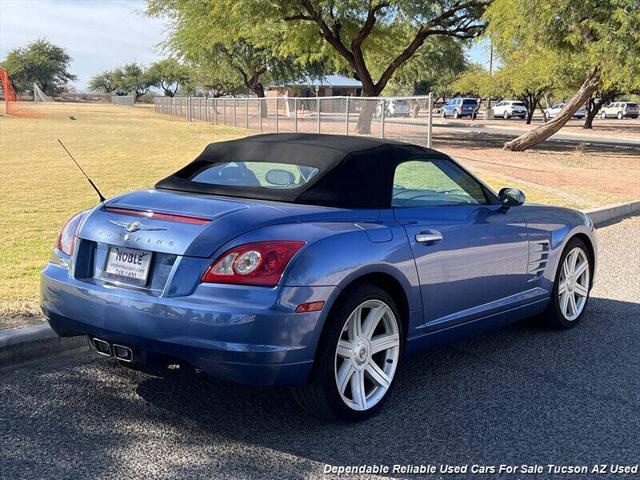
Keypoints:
(327, 86)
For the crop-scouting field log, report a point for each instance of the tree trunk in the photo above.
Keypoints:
(415, 108)
(544, 114)
(365, 118)
(367, 111)
(530, 111)
(593, 108)
(258, 89)
(541, 133)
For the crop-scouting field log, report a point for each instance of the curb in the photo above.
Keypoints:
(613, 213)
(22, 344)
(26, 343)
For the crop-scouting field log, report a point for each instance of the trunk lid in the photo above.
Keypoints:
(112, 225)
(219, 220)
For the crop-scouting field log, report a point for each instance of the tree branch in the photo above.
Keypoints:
(366, 29)
(331, 36)
(467, 29)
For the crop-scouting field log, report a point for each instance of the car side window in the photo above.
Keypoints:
(432, 183)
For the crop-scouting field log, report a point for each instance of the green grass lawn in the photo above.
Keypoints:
(120, 148)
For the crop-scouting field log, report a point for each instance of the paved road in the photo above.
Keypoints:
(522, 394)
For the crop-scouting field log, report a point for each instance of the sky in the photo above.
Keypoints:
(98, 34)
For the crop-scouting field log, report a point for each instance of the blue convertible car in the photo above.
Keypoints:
(314, 261)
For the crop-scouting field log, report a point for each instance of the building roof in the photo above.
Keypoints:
(335, 81)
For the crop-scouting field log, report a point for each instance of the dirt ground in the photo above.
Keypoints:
(578, 177)
(610, 127)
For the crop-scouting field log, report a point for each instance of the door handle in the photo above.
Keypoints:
(428, 237)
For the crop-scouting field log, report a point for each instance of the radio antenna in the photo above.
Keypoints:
(102, 199)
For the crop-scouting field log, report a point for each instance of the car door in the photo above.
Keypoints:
(450, 107)
(470, 253)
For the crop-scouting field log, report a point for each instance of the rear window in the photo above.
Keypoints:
(401, 102)
(469, 101)
(256, 174)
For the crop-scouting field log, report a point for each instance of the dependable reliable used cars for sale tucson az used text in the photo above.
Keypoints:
(314, 261)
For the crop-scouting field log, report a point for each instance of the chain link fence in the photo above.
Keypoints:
(401, 118)
(125, 100)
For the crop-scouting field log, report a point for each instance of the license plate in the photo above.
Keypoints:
(127, 265)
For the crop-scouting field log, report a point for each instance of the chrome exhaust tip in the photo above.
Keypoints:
(122, 353)
(102, 347)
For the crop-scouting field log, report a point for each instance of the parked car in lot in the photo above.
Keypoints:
(393, 108)
(510, 109)
(460, 107)
(620, 110)
(555, 109)
(314, 261)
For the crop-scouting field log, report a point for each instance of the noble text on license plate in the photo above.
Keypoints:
(127, 265)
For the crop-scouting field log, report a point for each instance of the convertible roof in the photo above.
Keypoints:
(354, 172)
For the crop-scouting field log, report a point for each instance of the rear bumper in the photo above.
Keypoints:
(255, 338)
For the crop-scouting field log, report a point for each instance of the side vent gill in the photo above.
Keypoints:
(538, 258)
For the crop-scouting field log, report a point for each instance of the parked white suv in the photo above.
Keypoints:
(393, 108)
(620, 110)
(510, 109)
(555, 109)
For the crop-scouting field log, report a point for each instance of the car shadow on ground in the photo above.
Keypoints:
(523, 393)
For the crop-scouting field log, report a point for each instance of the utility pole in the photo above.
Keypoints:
(488, 113)
(490, 57)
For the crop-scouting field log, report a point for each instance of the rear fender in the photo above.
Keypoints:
(338, 253)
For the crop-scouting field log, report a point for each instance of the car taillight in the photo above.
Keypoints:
(67, 236)
(260, 263)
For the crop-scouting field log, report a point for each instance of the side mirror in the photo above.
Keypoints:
(511, 197)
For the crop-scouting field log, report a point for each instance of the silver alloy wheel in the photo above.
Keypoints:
(367, 355)
(573, 288)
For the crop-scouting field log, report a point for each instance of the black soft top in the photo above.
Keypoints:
(354, 172)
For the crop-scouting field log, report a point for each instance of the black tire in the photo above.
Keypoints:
(553, 315)
(320, 396)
